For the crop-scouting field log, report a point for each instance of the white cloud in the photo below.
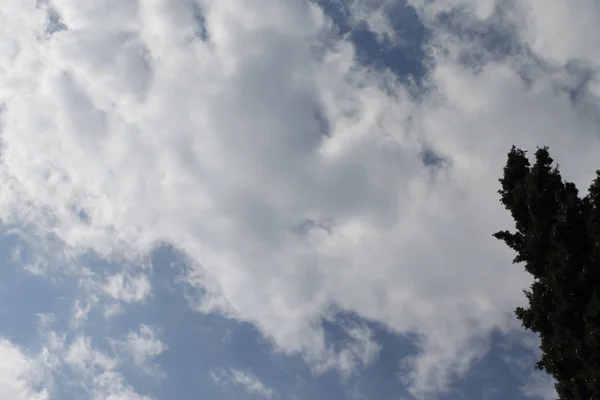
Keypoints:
(108, 291)
(118, 137)
(582, 38)
(359, 349)
(112, 309)
(72, 362)
(110, 385)
(535, 23)
(19, 374)
(363, 349)
(82, 356)
(237, 377)
(144, 346)
(81, 310)
(95, 370)
(373, 14)
(127, 287)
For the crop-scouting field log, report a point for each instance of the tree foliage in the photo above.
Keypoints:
(557, 238)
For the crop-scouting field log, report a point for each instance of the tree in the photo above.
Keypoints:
(557, 238)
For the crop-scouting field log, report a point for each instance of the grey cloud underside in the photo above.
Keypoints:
(294, 168)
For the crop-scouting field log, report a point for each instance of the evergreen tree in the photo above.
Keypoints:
(557, 238)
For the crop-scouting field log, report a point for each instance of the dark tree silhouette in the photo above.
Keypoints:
(557, 238)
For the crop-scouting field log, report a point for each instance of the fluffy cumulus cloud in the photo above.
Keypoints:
(246, 135)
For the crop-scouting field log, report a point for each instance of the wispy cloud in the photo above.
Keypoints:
(144, 346)
(237, 377)
(19, 374)
(126, 287)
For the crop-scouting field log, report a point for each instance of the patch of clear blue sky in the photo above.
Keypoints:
(23, 295)
(404, 60)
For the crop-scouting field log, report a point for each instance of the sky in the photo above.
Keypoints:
(277, 199)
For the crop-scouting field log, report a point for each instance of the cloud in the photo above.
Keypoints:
(111, 385)
(73, 362)
(236, 377)
(127, 288)
(82, 356)
(373, 14)
(95, 371)
(358, 349)
(19, 374)
(144, 346)
(290, 175)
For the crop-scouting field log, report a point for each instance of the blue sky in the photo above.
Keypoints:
(257, 199)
